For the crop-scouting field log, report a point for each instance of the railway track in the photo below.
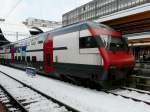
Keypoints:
(131, 93)
(11, 104)
(29, 99)
(117, 93)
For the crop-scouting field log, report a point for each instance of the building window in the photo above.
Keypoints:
(87, 42)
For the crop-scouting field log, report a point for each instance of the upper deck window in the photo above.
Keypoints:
(40, 42)
(87, 42)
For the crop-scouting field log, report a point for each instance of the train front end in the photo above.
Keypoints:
(118, 61)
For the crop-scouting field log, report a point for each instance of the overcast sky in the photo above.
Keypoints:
(43, 9)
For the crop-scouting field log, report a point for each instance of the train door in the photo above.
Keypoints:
(12, 55)
(48, 55)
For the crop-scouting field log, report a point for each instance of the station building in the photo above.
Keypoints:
(37, 26)
(40, 23)
(131, 17)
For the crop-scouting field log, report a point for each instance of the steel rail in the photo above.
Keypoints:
(14, 100)
(138, 91)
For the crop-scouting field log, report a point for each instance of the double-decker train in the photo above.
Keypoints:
(88, 51)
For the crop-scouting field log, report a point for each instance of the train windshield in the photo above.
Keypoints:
(113, 43)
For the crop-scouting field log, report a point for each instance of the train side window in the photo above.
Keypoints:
(19, 58)
(23, 58)
(87, 42)
(33, 59)
(40, 42)
(15, 58)
(28, 58)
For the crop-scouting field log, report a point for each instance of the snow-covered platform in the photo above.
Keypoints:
(81, 98)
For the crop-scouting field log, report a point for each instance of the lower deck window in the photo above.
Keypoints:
(19, 58)
(33, 59)
(15, 58)
(28, 58)
(23, 58)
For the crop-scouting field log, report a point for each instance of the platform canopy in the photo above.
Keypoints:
(139, 39)
(38, 30)
(11, 32)
(129, 20)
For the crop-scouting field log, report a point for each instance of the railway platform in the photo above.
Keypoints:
(140, 82)
(141, 76)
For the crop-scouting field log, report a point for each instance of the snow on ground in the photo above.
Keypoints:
(81, 98)
(34, 101)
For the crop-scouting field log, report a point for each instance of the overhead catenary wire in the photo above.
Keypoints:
(13, 8)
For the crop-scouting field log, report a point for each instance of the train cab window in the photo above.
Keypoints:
(28, 58)
(114, 43)
(33, 59)
(87, 42)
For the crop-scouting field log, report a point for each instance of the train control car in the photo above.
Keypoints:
(87, 50)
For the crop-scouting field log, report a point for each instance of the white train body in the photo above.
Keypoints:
(73, 54)
(83, 50)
